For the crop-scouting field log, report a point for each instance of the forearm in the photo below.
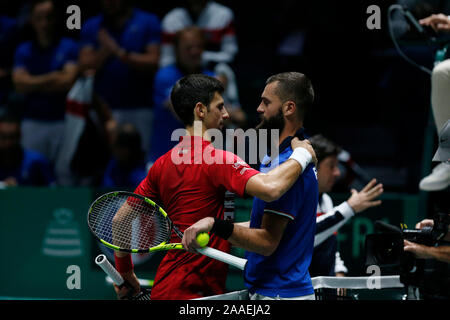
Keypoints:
(140, 61)
(262, 240)
(119, 226)
(272, 185)
(25, 83)
(123, 262)
(330, 222)
(441, 253)
(121, 254)
(62, 82)
(92, 59)
(254, 240)
(245, 224)
(55, 81)
(284, 176)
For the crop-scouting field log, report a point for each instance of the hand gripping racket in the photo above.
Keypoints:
(129, 222)
(103, 263)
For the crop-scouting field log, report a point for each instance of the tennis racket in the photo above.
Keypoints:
(129, 222)
(103, 263)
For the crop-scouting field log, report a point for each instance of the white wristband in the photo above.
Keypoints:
(302, 156)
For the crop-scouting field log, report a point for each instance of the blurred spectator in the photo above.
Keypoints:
(213, 18)
(189, 45)
(238, 117)
(122, 44)
(217, 23)
(87, 149)
(420, 9)
(127, 167)
(326, 260)
(8, 36)
(439, 178)
(44, 70)
(291, 34)
(19, 166)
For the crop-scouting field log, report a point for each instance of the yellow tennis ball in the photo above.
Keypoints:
(202, 239)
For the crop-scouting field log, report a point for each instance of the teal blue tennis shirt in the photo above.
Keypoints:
(285, 273)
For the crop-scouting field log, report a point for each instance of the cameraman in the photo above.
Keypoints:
(441, 253)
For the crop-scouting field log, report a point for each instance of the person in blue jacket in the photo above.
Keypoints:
(127, 168)
(189, 46)
(19, 166)
(44, 70)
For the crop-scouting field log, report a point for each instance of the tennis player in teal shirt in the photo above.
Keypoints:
(284, 274)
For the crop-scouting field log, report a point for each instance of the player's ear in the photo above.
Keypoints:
(199, 111)
(289, 108)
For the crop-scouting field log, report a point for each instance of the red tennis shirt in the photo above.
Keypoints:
(190, 182)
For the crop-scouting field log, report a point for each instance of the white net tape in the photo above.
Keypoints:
(372, 282)
(380, 282)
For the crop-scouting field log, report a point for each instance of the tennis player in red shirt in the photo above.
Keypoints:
(190, 182)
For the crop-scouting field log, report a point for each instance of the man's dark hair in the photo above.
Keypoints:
(324, 147)
(294, 86)
(190, 90)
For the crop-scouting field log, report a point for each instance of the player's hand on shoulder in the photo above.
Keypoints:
(305, 144)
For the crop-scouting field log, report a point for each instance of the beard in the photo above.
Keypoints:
(276, 122)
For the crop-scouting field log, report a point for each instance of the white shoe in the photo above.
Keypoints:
(439, 178)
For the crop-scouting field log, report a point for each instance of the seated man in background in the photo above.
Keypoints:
(215, 19)
(326, 260)
(19, 166)
(189, 46)
(126, 169)
(220, 48)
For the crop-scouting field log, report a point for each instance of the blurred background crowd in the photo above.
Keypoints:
(90, 106)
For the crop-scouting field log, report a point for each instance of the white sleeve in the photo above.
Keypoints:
(330, 222)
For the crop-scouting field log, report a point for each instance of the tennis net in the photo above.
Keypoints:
(341, 288)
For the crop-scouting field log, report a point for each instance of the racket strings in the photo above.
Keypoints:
(128, 222)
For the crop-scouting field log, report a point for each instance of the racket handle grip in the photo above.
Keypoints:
(103, 263)
(224, 257)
